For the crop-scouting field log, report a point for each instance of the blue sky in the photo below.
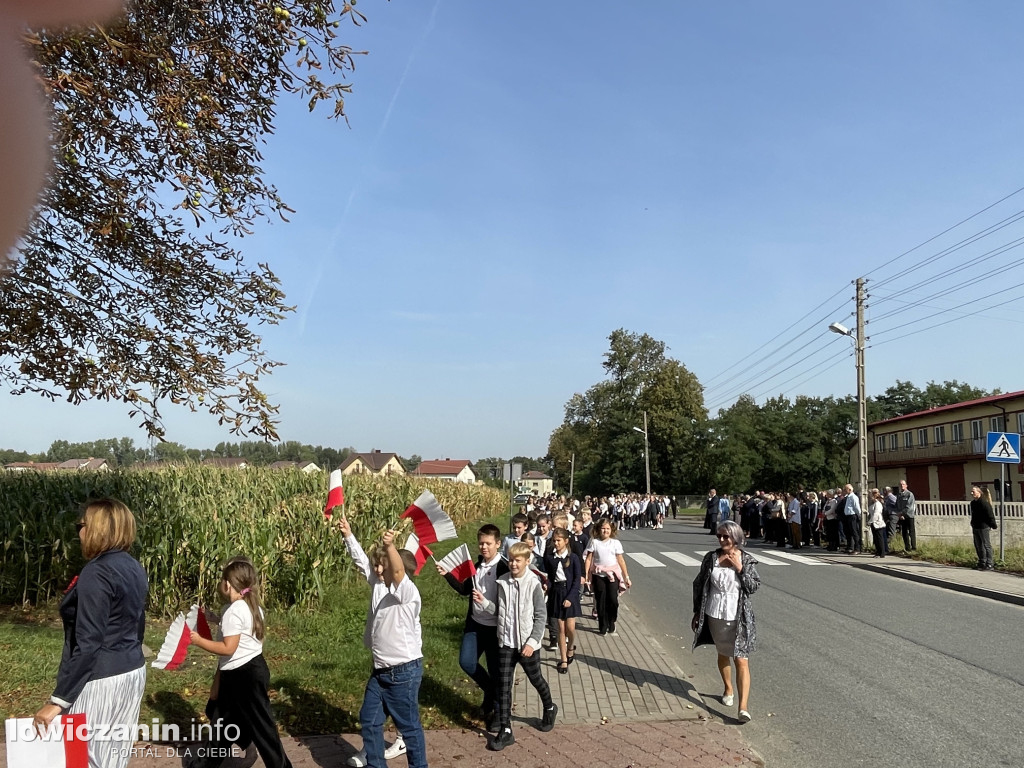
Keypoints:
(518, 180)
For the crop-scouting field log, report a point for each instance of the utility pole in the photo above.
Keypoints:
(862, 405)
(572, 472)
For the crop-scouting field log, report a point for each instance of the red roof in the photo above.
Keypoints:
(442, 467)
(953, 407)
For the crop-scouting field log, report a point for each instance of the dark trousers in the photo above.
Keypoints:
(606, 601)
(507, 660)
(878, 537)
(478, 641)
(909, 533)
(851, 527)
(891, 526)
(242, 701)
(779, 529)
(983, 546)
(832, 534)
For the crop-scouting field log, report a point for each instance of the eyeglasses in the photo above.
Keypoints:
(723, 536)
(79, 527)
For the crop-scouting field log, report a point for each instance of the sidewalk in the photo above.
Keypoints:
(624, 703)
(995, 585)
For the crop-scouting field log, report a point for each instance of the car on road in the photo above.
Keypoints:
(522, 498)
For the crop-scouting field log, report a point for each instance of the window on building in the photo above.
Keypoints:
(894, 440)
(958, 432)
(880, 443)
(908, 439)
(995, 424)
(940, 434)
(922, 438)
(976, 430)
(1020, 423)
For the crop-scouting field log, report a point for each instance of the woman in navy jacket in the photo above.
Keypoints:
(102, 671)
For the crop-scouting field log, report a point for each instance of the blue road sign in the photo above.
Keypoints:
(1003, 448)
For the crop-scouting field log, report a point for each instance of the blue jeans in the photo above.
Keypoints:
(478, 641)
(397, 689)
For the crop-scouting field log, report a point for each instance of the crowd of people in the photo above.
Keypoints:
(830, 519)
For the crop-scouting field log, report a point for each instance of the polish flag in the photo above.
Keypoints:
(429, 520)
(419, 551)
(179, 637)
(336, 494)
(64, 745)
(459, 563)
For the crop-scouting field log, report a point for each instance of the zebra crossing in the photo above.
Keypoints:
(783, 558)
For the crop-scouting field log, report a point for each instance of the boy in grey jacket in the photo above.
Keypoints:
(522, 616)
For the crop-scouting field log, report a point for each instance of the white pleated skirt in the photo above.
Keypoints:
(112, 701)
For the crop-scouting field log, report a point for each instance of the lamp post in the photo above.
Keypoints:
(647, 453)
(862, 402)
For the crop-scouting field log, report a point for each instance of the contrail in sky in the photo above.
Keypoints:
(336, 234)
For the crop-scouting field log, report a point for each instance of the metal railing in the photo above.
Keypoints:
(1014, 509)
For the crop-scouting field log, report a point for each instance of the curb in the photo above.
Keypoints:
(954, 586)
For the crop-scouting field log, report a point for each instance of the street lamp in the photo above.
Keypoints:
(647, 453)
(862, 402)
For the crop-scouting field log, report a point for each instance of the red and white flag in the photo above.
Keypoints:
(179, 637)
(64, 745)
(459, 563)
(419, 551)
(429, 520)
(336, 494)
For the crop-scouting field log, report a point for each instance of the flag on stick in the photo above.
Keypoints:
(419, 551)
(179, 637)
(430, 522)
(336, 494)
(459, 563)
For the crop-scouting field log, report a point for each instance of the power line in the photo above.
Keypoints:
(743, 360)
(943, 232)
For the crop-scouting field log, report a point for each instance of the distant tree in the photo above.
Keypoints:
(412, 462)
(904, 397)
(601, 425)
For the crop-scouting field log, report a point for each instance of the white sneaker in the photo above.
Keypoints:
(391, 751)
(728, 700)
(744, 716)
(396, 749)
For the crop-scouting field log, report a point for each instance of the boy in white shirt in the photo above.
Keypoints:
(394, 637)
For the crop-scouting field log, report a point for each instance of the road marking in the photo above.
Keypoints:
(802, 559)
(761, 559)
(645, 560)
(680, 558)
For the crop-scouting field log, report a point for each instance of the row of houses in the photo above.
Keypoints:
(373, 463)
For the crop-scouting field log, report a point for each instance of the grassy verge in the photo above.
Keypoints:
(317, 661)
(960, 554)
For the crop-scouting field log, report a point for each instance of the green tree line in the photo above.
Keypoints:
(779, 444)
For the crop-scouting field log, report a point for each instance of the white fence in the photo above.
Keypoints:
(1014, 509)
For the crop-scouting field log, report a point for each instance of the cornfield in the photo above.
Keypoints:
(191, 519)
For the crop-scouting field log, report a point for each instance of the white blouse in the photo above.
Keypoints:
(724, 597)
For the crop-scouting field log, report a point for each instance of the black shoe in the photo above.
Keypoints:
(549, 718)
(504, 739)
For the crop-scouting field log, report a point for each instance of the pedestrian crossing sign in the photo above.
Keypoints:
(1003, 448)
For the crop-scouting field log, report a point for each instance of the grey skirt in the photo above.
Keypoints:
(112, 701)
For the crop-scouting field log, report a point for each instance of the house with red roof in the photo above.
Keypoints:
(454, 470)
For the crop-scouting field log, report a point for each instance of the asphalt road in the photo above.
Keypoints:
(852, 668)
